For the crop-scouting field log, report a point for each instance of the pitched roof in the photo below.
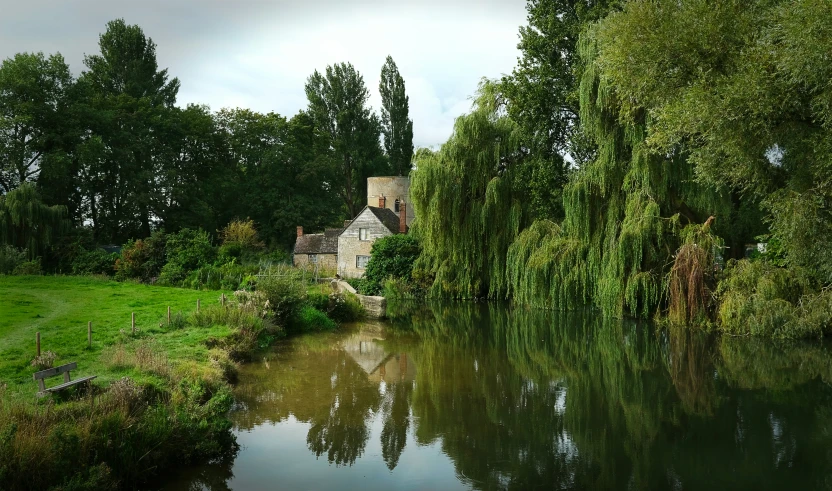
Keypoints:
(387, 218)
(325, 243)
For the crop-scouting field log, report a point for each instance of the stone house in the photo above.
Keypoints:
(347, 250)
(356, 241)
(317, 249)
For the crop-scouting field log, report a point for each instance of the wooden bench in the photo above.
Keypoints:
(68, 382)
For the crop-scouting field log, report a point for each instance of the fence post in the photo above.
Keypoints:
(222, 299)
(89, 334)
(37, 337)
(133, 321)
(168, 314)
(197, 305)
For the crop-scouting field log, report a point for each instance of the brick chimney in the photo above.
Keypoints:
(382, 202)
(300, 231)
(402, 218)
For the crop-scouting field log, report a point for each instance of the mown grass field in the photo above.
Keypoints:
(60, 307)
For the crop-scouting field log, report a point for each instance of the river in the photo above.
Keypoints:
(481, 396)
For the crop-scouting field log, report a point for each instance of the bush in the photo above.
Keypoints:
(391, 257)
(186, 250)
(310, 319)
(28, 268)
(142, 259)
(11, 258)
(344, 307)
(285, 294)
(241, 233)
(94, 262)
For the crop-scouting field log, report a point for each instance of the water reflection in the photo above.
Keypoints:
(519, 399)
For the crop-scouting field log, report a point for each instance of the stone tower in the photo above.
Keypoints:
(392, 193)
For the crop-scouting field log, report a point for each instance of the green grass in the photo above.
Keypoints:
(60, 307)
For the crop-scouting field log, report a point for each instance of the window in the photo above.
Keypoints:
(362, 234)
(313, 258)
(361, 261)
(396, 206)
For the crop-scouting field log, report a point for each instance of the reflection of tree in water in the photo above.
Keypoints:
(522, 398)
(396, 417)
(320, 385)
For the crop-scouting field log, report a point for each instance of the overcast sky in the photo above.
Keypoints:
(257, 54)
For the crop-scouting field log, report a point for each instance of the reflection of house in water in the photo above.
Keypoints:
(367, 351)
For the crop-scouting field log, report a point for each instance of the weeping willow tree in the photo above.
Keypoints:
(624, 212)
(469, 202)
(27, 223)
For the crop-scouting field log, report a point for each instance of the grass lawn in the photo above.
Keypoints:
(59, 308)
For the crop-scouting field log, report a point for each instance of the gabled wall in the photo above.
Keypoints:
(350, 246)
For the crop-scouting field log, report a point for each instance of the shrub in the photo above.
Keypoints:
(94, 262)
(391, 257)
(186, 251)
(310, 319)
(241, 233)
(45, 361)
(142, 259)
(28, 268)
(285, 293)
(11, 258)
(344, 307)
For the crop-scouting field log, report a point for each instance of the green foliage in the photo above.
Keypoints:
(185, 251)
(26, 222)
(10, 258)
(27, 268)
(761, 299)
(33, 95)
(310, 319)
(396, 124)
(286, 296)
(469, 204)
(338, 107)
(391, 257)
(143, 259)
(98, 261)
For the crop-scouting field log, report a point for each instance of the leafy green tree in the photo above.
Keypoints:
(396, 124)
(391, 257)
(338, 107)
(33, 94)
(127, 97)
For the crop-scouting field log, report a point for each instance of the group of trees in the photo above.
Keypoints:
(635, 145)
(111, 151)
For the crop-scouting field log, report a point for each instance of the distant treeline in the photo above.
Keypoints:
(111, 152)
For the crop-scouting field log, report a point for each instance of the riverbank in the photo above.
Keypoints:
(162, 392)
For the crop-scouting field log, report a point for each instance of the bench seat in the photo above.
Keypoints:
(66, 385)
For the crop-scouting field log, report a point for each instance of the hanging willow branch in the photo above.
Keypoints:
(27, 223)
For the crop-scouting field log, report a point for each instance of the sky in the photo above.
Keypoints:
(258, 54)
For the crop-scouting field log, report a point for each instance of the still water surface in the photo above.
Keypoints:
(485, 397)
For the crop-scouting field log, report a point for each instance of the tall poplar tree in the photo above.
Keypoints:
(396, 124)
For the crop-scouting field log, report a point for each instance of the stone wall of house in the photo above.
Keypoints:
(325, 261)
(392, 188)
(350, 245)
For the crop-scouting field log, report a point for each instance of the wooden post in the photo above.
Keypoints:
(197, 305)
(89, 334)
(222, 299)
(37, 337)
(168, 314)
(133, 321)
